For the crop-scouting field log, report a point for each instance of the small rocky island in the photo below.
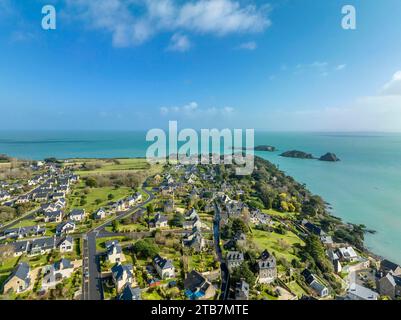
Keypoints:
(329, 157)
(297, 154)
(265, 148)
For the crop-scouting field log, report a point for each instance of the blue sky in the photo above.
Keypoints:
(135, 64)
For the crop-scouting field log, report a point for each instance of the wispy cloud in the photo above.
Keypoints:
(179, 42)
(192, 109)
(322, 68)
(251, 45)
(132, 22)
(393, 87)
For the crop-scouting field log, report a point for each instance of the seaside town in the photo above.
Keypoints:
(122, 229)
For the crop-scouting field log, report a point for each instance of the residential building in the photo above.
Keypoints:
(66, 244)
(315, 284)
(198, 287)
(164, 267)
(390, 285)
(242, 290)
(122, 275)
(358, 292)
(234, 259)
(267, 268)
(19, 280)
(129, 293)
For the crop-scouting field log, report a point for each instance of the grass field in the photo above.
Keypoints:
(94, 194)
(271, 242)
(296, 289)
(116, 166)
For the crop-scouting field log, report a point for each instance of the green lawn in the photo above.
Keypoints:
(123, 165)
(93, 195)
(201, 262)
(270, 241)
(296, 289)
(151, 295)
(100, 242)
(272, 212)
(24, 223)
(8, 265)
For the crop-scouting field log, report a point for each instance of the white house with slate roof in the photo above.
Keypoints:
(129, 293)
(19, 280)
(114, 252)
(122, 275)
(164, 267)
(66, 244)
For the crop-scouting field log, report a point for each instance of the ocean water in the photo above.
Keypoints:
(365, 187)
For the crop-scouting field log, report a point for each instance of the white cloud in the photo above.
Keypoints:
(251, 45)
(193, 110)
(132, 22)
(322, 68)
(341, 67)
(179, 42)
(393, 87)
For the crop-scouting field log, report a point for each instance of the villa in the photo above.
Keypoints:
(164, 267)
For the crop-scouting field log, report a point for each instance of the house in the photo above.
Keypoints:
(387, 266)
(77, 215)
(314, 283)
(4, 196)
(160, 221)
(347, 254)
(114, 252)
(390, 286)
(42, 245)
(193, 223)
(122, 275)
(54, 274)
(23, 199)
(267, 268)
(194, 240)
(168, 206)
(164, 267)
(326, 240)
(197, 287)
(234, 259)
(65, 227)
(60, 203)
(358, 292)
(191, 214)
(242, 290)
(137, 197)
(19, 280)
(53, 216)
(66, 244)
(21, 247)
(313, 228)
(23, 232)
(129, 293)
(101, 214)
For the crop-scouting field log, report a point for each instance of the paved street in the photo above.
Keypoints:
(225, 275)
(92, 284)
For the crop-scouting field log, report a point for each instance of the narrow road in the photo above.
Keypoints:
(92, 283)
(225, 274)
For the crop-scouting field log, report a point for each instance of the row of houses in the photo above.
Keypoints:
(43, 245)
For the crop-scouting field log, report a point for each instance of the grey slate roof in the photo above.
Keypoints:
(163, 263)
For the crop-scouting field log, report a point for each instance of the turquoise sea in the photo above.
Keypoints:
(365, 187)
